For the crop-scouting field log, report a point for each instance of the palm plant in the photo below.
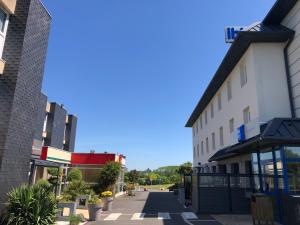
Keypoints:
(31, 205)
(77, 188)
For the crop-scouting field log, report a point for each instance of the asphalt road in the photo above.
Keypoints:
(151, 208)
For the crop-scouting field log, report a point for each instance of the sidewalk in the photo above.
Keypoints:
(234, 219)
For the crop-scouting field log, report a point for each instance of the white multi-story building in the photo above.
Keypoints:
(257, 83)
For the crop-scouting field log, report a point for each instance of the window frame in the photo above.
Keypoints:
(207, 144)
(229, 89)
(213, 140)
(221, 136)
(201, 122)
(219, 101)
(231, 125)
(246, 115)
(243, 74)
(3, 31)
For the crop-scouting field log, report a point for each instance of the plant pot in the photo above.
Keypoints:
(94, 212)
(107, 206)
(131, 193)
(61, 205)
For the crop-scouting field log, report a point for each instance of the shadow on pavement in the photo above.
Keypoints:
(166, 202)
(163, 202)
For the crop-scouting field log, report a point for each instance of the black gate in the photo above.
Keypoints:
(223, 193)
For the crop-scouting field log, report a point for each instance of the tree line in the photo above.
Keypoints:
(162, 175)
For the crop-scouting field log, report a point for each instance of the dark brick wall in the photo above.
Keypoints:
(56, 126)
(41, 114)
(70, 133)
(20, 87)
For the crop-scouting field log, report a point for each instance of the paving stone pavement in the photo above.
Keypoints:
(152, 208)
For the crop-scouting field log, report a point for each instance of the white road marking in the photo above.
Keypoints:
(113, 216)
(189, 215)
(164, 216)
(138, 216)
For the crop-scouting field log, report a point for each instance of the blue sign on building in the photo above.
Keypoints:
(232, 32)
(241, 133)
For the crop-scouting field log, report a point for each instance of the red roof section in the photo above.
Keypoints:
(91, 158)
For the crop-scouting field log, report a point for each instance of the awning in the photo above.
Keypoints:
(279, 131)
(45, 163)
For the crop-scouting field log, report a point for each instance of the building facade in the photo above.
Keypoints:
(24, 31)
(247, 123)
(54, 127)
(90, 165)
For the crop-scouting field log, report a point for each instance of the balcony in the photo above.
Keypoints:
(9, 5)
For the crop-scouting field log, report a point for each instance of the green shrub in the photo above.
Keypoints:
(108, 176)
(31, 205)
(75, 219)
(45, 185)
(77, 188)
(74, 174)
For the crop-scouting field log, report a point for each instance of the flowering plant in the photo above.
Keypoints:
(106, 194)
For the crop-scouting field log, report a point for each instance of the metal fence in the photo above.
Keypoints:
(223, 193)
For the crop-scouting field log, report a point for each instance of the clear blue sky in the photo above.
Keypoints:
(133, 70)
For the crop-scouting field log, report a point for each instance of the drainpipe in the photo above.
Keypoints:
(288, 77)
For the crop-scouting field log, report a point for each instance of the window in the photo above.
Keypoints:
(213, 141)
(246, 115)
(197, 127)
(205, 114)
(201, 125)
(219, 101)
(231, 125)
(207, 145)
(194, 130)
(3, 28)
(212, 110)
(194, 152)
(198, 150)
(229, 91)
(3, 16)
(45, 123)
(202, 148)
(243, 74)
(221, 137)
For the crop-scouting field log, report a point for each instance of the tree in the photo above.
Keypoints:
(152, 177)
(185, 169)
(55, 173)
(74, 174)
(108, 176)
(133, 176)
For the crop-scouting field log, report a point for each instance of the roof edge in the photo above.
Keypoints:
(278, 11)
(233, 55)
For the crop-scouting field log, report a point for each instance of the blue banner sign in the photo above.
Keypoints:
(241, 133)
(232, 32)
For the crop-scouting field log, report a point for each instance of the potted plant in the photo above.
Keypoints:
(75, 219)
(131, 189)
(95, 208)
(66, 201)
(108, 199)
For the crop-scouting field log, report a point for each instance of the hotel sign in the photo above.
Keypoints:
(232, 32)
(241, 133)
